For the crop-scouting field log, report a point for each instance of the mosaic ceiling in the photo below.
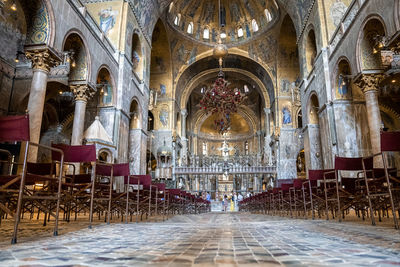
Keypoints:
(240, 19)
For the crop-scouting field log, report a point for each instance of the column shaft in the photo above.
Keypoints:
(35, 108)
(79, 122)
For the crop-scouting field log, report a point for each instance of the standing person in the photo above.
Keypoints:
(240, 197)
(225, 202)
(208, 197)
(235, 199)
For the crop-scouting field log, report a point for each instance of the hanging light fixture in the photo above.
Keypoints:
(220, 99)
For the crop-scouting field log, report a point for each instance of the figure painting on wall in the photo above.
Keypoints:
(107, 19)
(163, 89)
(164, 117)
(136, 60)
(287, 117)
(343, 84)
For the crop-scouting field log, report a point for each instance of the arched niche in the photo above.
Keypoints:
(312, 140)
(105, 155)
(288, 57)
(150, 123)
(160, 67)
(137, 56)
(104, 84)
(77, 57)
(343, 82)
(370, 44)
(313, 108)
(311, 49)
(135, 121)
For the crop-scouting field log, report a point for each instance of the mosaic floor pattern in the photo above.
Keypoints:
(214, 239)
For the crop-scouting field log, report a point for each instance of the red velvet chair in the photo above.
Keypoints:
(23, 187)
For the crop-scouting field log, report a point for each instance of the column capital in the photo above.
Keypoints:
(184, 112)
(42, 57)
(267, 111)
(82, 92)
(369, 82)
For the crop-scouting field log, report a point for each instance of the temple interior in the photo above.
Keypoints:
(199, 133)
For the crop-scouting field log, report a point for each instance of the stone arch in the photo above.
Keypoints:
(312, 140)
(191, 85)
(137, 58)
(52, 23)
(135, 112)
(342, 79)
(74, 40)
(310, 48)
(105, 81)
(313, 108)
(366, 57)
(105, 155)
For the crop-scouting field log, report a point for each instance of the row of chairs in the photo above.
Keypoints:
(64, 186)
(354, 185)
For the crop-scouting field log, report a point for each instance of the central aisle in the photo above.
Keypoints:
(214, 239)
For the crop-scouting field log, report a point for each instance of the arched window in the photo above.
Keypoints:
(240, 32)
(268, 15)
(254, 25)
(170, 7)
(177, 19)
(190, 28)
(246, 148)
(206, 33)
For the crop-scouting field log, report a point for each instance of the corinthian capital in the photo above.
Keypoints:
(43, 58)
(369, 82)
(82, 92)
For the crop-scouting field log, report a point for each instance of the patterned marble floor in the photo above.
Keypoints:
(214, 239)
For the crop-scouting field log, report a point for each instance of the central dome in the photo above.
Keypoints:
(241, 20)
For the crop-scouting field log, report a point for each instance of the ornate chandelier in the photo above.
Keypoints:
(222, 100)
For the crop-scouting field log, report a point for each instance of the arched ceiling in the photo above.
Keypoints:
(241, 19)
(240, 63)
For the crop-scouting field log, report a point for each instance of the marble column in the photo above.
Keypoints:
(369, 84)
(82, 93)
(42, 60)
(267, 141)
(184, 114)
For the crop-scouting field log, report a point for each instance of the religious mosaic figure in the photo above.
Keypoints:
(342, 85)
(164, 117)
(135, 60)
(107, 19)
(163, 89)
(338, 10)
(287, 117)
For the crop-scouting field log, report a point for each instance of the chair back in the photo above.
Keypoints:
(121, 169)
(298, 183)
(352, 164)
(175, 192)
(145, 180)
(103, 169)
(390, 141)
(40, 168)
(75, 154)
(160, 186)
(285, 187)
(315, 175)
(14, 128)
